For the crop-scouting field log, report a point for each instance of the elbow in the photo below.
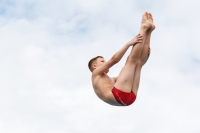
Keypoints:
(114, 60)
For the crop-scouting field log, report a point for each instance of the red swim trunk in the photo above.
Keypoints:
(123, 98)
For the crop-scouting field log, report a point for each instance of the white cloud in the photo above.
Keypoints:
(45, 83)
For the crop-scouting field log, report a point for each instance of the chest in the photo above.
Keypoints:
(104, 82)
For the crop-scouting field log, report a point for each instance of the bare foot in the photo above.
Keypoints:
(146, 24)
(150, 19)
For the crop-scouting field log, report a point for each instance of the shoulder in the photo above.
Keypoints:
(96, 76)
(95, 73)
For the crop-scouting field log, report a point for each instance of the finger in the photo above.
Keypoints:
(140, 36)
(138, 41)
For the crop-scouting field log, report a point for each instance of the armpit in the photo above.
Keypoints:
(115, 79)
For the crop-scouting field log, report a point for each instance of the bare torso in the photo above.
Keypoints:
(103, 85)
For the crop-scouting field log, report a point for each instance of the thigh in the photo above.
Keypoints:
(125, 78)
(136, 79)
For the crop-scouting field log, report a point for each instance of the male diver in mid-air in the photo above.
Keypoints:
(122, 90)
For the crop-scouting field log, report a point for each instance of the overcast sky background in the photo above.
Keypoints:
(45, 85)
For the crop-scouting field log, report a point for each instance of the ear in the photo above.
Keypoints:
(94, 66)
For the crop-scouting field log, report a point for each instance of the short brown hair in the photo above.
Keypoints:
(92, 61)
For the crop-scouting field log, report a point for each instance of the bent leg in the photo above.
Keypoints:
(125, 79)
(136, 79)
(143, 58)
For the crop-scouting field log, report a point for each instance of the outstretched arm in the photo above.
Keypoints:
(117, 56)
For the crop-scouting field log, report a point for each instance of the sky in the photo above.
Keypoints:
(45, 84)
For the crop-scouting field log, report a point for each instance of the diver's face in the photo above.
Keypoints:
(100, 62)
